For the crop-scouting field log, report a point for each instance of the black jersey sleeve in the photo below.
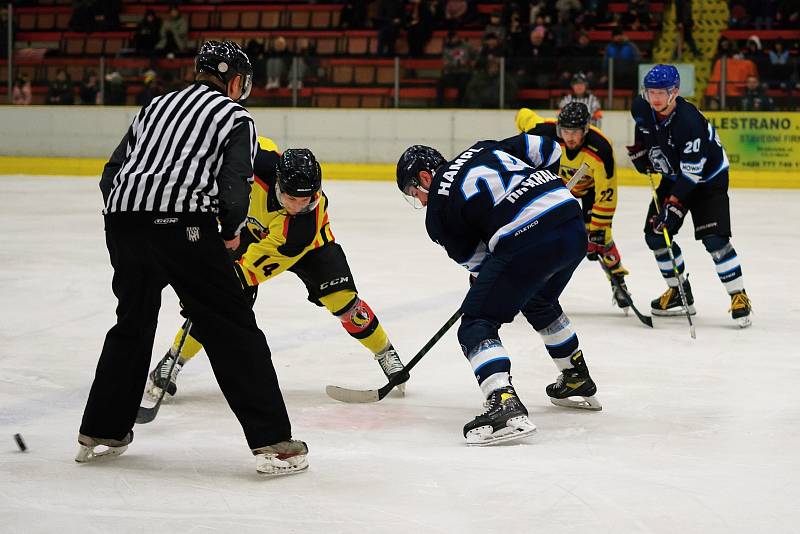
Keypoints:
(234, 179)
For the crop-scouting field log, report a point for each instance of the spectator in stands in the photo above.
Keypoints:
(61, 90)
(535, 67)
(781, 71)
(148, 33)
(754, 53)
(626, 57)
(21, 95)
(725, 48)
(115, 90)
(152, 88)
(90, 89)
(496, 27)
(419, 26)
(307, 63)
(256, 51)
(457, 60)
(354, 14)
(483, 89)
(788, 15)
(518, 34)
(278, 61)
(583, 57)
(388, 22)
(174, 33)
(755, 97)
(566, 10)
(456, 13)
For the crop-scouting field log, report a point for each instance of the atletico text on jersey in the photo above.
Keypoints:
(599, 184)
(171, 159)
(493, 193)
(684, 147)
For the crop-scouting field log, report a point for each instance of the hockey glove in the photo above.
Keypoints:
(640, 159)
(597, 245)
(669, 217)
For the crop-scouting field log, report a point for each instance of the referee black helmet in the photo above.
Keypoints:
(224, 60)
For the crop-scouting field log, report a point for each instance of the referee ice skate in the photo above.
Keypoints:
(175, 188)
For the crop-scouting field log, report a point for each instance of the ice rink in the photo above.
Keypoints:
(695, 436)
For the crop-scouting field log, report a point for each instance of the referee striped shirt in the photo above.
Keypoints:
(187, 151)
(589, 100)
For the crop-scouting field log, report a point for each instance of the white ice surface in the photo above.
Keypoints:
(695, 436)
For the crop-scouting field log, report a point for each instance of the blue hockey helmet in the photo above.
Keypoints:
(662, 77)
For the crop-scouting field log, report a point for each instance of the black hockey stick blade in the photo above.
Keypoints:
(146, 415)
(374, 395)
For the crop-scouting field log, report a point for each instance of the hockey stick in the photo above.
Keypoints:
(374, 395)
(684, 301)
(146, 415)
(580, 173)
(646, 319)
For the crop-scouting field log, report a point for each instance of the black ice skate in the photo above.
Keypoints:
(283, 458)
(741, 308)
(575, 382)
(160, 376)
(669, 304)
(620, 295)
(87, 447)
(391, 365)
(505, 419)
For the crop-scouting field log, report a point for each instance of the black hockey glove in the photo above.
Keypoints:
(597, 245)
(669, 217)
(640, 159)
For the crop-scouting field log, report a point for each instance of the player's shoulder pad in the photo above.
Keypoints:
(598, 142)
(267, 144)
(265, 164)
(544, 129)
(688, 119)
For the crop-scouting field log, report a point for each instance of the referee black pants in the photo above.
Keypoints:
(187, 253)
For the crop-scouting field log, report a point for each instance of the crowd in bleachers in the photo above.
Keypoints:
(453, 52)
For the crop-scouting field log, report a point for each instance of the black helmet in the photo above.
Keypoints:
(416, 158)
(574, 116)
(224, 60)
(299, 173)
(579, 77)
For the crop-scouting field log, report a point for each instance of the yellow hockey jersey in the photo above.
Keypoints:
(597, 153)
(278, 240)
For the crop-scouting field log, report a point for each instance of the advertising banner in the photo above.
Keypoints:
(759, 141)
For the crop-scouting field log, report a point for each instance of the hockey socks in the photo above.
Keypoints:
(491, 365)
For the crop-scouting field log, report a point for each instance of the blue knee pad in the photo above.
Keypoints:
(714, 243)
(473, 331)
(654, 241)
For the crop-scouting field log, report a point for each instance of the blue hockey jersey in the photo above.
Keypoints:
(496, 193)
(683, 147)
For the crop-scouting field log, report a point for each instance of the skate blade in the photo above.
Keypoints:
(743, 322)
(674, 312)
(89, 454)
(588, 403)
(516, 428)
(273, 467)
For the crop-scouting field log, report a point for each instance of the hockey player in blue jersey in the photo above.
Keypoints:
(501, 210)
(674, 139)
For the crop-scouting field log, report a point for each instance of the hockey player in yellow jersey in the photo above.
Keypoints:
(288, 230)
(597, 190)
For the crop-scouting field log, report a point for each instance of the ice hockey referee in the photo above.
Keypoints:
(176, 194)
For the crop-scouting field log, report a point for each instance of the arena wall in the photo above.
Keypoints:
(352, 143)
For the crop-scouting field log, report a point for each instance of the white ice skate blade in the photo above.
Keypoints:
(516, 428)
(90, 454)
(674, 312)
(588, 403)
(272, 466)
